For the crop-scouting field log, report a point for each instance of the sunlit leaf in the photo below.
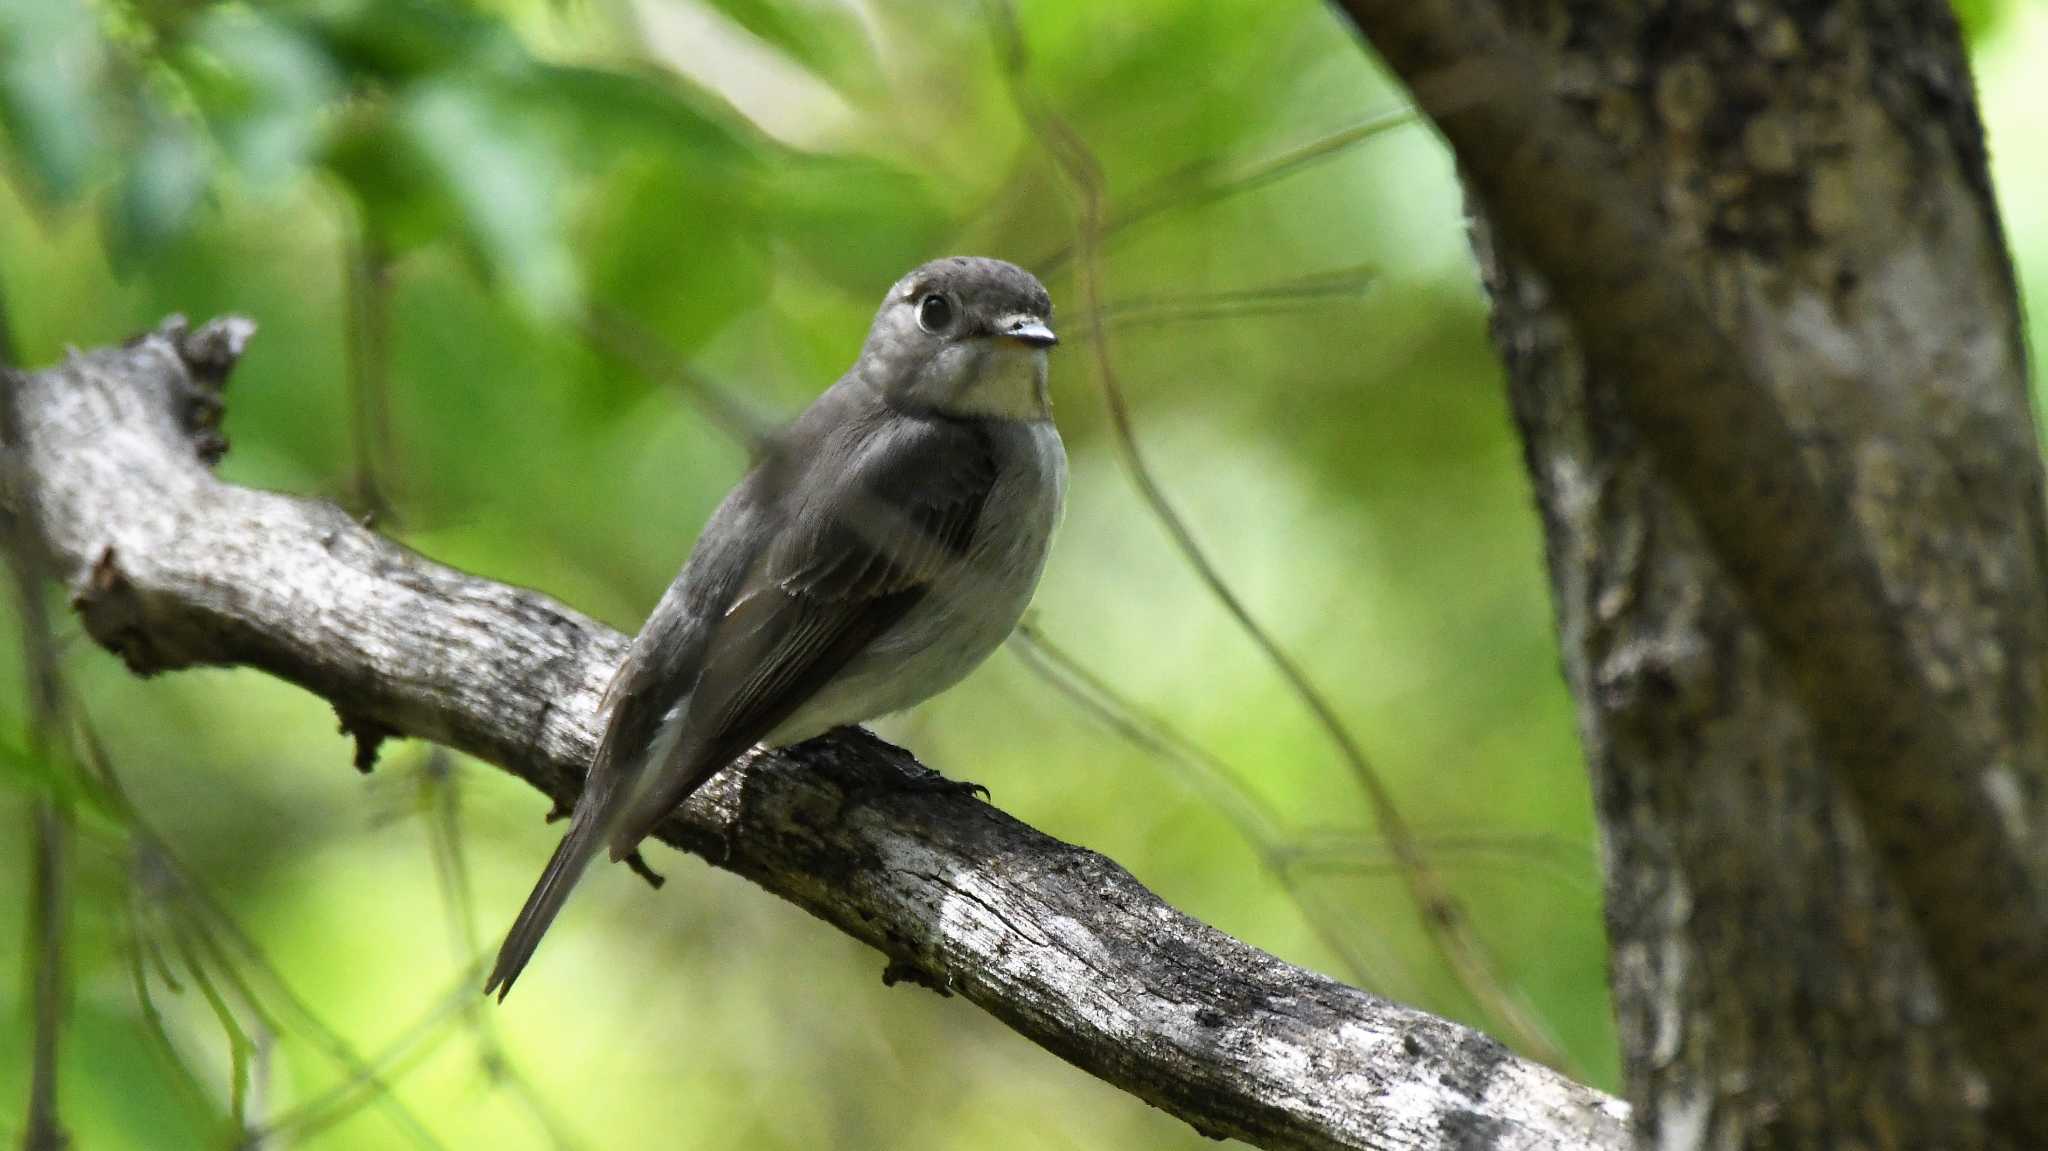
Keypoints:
(609, 113)
(828, 38)
(395, 41)
(265, 88)
(48, 778)
(162, 183)
(51, 64)
(1981, 19)
(396, 191)
(680, 257)
(849, 215)
(507, 181)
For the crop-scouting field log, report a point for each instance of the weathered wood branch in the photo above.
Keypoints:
(1765, 354)
(172, 568)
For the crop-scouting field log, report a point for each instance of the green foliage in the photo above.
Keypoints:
(51, 56)
(434, 120)
(1981, 19)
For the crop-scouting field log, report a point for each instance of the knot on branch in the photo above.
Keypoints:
(369, 736)
(211, 350)
(208, 354)
(111, 608)
(910, 971)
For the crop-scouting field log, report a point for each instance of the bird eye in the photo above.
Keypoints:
(934, 313)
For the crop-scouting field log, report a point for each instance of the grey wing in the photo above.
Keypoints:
(653, 679)
(853, 560)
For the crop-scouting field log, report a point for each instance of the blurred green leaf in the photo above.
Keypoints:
(399, 41)
(604, 114)
(266, 89)
(828, 39)
(396, 191)
(1981, 19)
(506, 178)
(680, 257)
(163, 183)
(848, 215)
(32, 775)
(52, 62)
(44, 777)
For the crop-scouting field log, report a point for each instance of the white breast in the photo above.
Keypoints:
(967, 615)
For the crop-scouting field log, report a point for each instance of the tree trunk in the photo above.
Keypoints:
(1820, 170)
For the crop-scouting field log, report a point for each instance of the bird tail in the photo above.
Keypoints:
(586, 836)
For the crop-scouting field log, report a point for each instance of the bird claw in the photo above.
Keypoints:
(925, 782)
(638, 864)
(929, 781)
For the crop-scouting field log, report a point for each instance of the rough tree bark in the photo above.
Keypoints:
(169, 567)
(1821, 799)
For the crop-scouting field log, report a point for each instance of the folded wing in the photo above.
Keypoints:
(854, 557)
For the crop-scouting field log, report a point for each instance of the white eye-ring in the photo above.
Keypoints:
(934, 313)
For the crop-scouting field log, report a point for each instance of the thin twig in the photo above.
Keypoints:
(1196, 185)
(231, 1028)
(46, 931)
(259, 1091)
(368, 292)
(372, 1076)
(1256, 822)
(624, 339)
(1287, 296)
(441, 800)
(50, 829)
(228, 946)
(1443, 917)
(441, 804)
(1574, 868)
(139, 953)
(1060, 944)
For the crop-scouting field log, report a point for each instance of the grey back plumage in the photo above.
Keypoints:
(844, 525)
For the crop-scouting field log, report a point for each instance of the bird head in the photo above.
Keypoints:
(964, 336)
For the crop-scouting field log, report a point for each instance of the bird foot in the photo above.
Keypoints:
(925, 782)
(930, 782)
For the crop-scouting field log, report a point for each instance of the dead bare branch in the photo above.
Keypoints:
(172, 568)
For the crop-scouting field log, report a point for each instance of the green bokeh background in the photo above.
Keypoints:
(743, 178)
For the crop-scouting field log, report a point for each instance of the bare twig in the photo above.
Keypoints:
(1443, 916)
(1337, 286)
(1198, 184)
(46, 930)
(239, 1044)
(139, 952)
(209, 938)
(626, 340)
(371, 1077)
(369, 362)
(440, 785)
(49, 831)
(176, 568)
(1255, 821)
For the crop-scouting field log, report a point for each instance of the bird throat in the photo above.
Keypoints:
(1009, 385)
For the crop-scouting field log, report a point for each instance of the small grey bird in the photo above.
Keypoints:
(879, 549)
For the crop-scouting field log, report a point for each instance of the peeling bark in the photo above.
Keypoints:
(172, 568)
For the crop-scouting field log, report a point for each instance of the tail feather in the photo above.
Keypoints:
(586, 835)
(658, 799)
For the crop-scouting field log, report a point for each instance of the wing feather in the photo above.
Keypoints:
(854, 559)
